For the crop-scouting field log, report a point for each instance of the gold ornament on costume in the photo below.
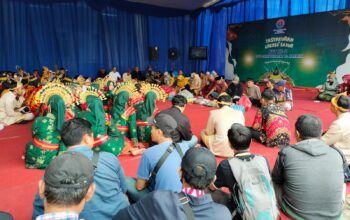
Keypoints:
(90, 91)
(51, 89)
(147, 87)
(128, 87)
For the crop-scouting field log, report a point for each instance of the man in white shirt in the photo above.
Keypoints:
(114, 75)
(127, 76)
(219, 122)
(339, 132)
(11, 106)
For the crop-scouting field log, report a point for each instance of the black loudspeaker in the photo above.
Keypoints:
(172, 53)
(153, 53)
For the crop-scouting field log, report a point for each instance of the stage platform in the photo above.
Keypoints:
(18, 185)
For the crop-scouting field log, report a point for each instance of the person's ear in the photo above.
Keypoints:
(41, 185)
(90, 192)
(297, 134)
(180, 172)
(88, 139)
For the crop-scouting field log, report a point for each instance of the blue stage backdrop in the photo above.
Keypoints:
(84, 35)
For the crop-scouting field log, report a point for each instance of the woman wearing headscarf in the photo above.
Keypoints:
(96, 116)
(148, 109)
(123, 122)
(46, 134)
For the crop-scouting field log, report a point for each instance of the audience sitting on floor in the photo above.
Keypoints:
(109, 176)
(159, 164)
(329, 89)
(236, 172)
(183, 132)
(309, 176)
(283, 95)
(235, 89)
(271, 124)
(197, 172)
(114, 75)
(219, 122)
(345, 86)
(195, 84)
(12, 106)
(270, 84)
(338, 133)
(219, 87)
(253, 92)
(65, 191)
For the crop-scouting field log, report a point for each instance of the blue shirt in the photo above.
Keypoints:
(167, 177)
(166, 205)
(109, 196)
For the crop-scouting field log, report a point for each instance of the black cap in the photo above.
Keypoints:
(199, 163)
(164, 122)
(69, 170)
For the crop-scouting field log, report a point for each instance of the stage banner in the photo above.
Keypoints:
(300, 49)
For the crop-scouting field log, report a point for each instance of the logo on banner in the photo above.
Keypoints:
(280, 23)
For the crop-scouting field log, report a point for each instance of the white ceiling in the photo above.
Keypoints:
(189, 5)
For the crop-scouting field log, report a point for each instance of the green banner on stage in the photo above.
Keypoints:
(300, 49)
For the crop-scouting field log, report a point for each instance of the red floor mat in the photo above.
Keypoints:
(18, 185)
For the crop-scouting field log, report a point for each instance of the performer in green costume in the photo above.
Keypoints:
(46, 135)
(97, 117)
(147, 109)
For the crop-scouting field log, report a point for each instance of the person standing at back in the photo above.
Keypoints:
(308, 176)
(183, 132)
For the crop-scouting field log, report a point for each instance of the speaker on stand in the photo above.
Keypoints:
(153, 53)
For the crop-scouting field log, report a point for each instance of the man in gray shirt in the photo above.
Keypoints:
(309, 176)
(253, 92)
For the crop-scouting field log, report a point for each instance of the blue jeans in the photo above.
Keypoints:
(191, 143)
(134, 194)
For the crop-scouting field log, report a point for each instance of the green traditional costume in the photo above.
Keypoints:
(46, 135)
(96, 116)
(147, 109)
(123, 122)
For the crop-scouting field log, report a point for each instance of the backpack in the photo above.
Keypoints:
(256, 197)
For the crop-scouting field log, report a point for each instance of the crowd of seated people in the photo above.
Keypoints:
(89, 123)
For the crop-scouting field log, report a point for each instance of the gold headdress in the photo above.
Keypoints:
(90, 91)
(51, 89)
(128, 87)
(335, 99)
(147, 87)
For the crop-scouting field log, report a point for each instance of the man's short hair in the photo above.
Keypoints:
(309, 126)
(224, 100)
(344, 102)
(72, 131)
(67, 179)
(268, 95)
(179, 101)
(239, 136)
(250, 79)
(198, 167)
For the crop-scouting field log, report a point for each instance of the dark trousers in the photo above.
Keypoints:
(255, 102)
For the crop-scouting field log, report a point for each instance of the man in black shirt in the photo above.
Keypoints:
(183, 131)
(240, 138)
(136, 74)
(235, 89)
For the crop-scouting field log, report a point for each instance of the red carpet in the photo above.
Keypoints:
(19, 185)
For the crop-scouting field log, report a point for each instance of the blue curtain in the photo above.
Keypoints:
(85, 35)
